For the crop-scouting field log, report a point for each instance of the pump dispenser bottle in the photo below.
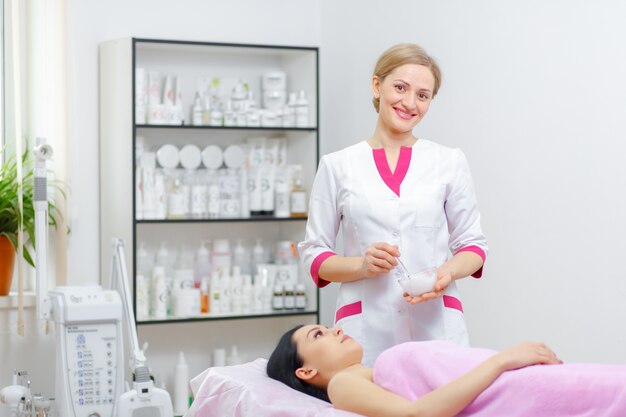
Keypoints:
(258, 256)
(181, 386)
(202, 267)
(240, 259)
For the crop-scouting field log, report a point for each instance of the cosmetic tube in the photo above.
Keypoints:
(267, 189)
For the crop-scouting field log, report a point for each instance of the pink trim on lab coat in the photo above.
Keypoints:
(348, 310)
(394, 180)
(452, 302)
(478, 251)
(315, 268)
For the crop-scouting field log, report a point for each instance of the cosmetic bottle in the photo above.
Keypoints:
(290, 297)
(247, 294)
(298, 196)
(258, 293)
(176, 201)
(206, 109)
(196, 111)
(221, 256)
(278, 299)
(142, 289)
(159, 300)
(181, 386)
(225, 294)
(230, 117)
(165, 260)
(144, 265)
(179, 114)
(216, 117)
(236, 291)
(168, 99)
(199, 197)
(148, 169)
(300, 297)
(282, 194)
(202, 267)
(154, 90)
(204, 296)
(239, 97)
(258, 256)
(141, 95)
(214, 303)
(160, 195)
(289, 111)
(229, 193)
(302, 110)
(213, 194)
(241, 259)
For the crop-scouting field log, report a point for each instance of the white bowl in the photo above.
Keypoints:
(420, 282)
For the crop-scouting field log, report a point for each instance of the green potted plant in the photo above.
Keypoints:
(10, 216)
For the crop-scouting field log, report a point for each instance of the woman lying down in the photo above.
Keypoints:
(442, 379)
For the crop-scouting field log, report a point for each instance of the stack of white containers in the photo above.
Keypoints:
(274, 85)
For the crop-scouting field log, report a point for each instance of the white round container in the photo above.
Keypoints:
(212, 157)
(420, 282)
(168, 156)
(234, 156)
(190, 157)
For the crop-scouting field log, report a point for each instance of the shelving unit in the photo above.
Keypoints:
(118, 133)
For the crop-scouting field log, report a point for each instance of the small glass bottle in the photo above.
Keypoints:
(298, 197)
(300, 297)
(278, 300)
(290, 297)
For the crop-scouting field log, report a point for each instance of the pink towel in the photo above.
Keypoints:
(577, 390)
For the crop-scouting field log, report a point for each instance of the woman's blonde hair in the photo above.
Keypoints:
(401, 54)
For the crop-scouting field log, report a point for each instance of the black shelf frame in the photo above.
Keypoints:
(137, 127)
(254, 219)
(242, 128)
(291, 313)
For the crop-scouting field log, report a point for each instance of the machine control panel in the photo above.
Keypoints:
(92, 367)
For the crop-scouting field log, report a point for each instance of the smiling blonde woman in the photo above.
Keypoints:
(396, 195)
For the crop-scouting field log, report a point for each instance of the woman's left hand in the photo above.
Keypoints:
(444, 278)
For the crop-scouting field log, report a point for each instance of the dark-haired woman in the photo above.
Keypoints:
(443, 379)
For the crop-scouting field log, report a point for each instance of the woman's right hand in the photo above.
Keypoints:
(526, 354)
(379, 258)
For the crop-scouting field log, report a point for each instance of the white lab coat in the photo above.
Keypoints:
(432, 212)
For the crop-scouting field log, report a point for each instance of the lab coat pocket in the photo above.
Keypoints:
(429, 205)
(456, 330)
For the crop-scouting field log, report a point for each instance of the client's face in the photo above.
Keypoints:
(326, 350)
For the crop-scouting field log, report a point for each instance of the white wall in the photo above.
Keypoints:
(534, 92)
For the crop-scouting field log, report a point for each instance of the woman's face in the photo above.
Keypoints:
(405, 95)
(327, 351)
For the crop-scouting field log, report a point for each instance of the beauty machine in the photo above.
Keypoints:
(88, 322)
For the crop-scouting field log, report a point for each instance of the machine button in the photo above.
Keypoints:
(94, 415)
